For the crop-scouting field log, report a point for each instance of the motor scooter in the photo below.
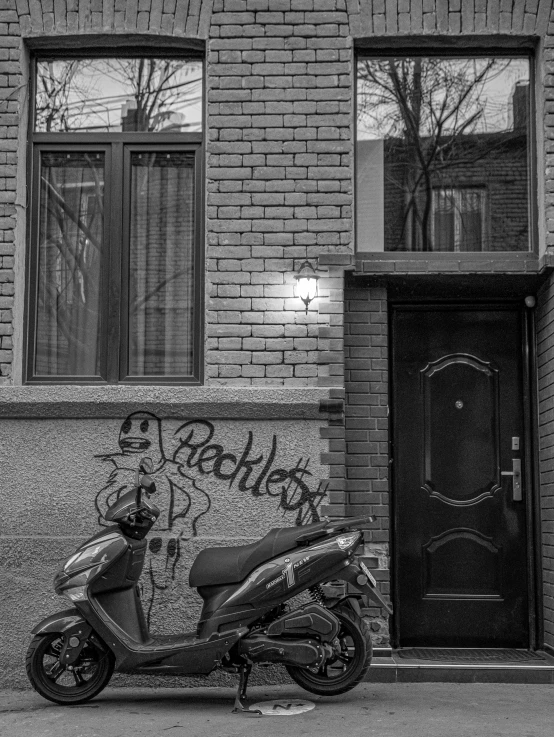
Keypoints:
(247, 617)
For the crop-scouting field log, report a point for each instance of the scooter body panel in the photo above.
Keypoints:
(183, 654)
(271, 584)
(101, 579)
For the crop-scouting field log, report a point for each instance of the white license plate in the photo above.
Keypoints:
(368, 573)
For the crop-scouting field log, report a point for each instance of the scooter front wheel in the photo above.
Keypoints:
(350, 665)
(63, 684)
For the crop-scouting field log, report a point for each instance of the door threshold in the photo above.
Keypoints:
(388, 666)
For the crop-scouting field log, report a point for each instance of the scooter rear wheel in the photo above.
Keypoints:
(347, 670)
(56, 682)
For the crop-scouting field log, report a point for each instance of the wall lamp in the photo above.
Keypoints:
(306, 283)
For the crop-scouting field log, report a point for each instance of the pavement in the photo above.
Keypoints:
(383, 709)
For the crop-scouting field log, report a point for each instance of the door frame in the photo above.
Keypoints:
(529, 390)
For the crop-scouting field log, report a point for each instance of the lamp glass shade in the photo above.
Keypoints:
(307, 288)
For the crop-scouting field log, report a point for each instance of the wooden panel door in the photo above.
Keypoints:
(460, 522)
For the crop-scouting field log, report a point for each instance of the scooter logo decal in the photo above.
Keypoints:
(275, 581)
(288, 573)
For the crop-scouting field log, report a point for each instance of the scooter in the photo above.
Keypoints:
(324, 644)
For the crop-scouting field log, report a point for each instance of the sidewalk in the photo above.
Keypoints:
(381, 709)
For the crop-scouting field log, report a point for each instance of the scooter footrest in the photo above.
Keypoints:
(172, 640)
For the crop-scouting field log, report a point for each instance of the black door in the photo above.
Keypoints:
(460, 529)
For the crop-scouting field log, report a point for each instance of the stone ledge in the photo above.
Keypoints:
(406, 262)
(114, 402)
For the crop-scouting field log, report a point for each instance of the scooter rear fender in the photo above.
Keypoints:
(356, 577)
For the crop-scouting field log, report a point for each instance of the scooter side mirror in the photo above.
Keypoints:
(146, 465)
(148, 484)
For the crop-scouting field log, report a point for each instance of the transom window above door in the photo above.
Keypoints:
(115, 258)
(442, 153)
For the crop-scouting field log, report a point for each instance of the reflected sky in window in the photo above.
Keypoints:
(114, 95)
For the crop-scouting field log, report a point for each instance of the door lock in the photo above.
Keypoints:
(516, 474)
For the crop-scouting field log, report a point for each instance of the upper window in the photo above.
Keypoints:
(115, 259)
(442, 154)
(114, 95)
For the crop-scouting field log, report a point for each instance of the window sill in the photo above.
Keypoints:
(116, 402)
(404, 262)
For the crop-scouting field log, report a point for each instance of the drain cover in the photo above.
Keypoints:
(283, 707)
(458, 655)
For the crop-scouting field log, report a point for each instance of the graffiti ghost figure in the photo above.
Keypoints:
(181, 501)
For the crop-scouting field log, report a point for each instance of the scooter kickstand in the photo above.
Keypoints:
(240, 706)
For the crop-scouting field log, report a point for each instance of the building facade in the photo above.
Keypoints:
(148, 303)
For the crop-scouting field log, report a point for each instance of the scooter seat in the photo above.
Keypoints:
(219, 566)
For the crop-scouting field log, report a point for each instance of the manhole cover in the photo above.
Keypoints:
(283, 707)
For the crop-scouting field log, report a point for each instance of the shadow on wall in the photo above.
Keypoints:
(182, 501)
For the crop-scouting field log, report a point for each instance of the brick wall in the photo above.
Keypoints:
(397, 17)
(366, 484)
(279, 184)
(545, 350)
(10, 79)
(279, 167)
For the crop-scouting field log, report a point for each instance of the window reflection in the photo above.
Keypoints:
(70, 261)
(442, 154)
(119, 95)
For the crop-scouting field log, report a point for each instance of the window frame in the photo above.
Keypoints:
(114, 289)
(475, 48)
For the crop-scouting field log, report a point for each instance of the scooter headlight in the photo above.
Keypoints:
(70, 561)
(77, 593)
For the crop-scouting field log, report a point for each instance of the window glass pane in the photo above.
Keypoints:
(70, 251)
(113, 95)
(161, 263)
(442, 154)
(458, 219)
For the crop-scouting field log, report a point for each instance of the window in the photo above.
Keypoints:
(115, 266)
(442, 153)
(458, 219)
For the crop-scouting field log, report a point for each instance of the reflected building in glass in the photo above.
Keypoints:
(442, 154)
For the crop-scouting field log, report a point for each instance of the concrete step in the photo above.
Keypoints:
(389, 667)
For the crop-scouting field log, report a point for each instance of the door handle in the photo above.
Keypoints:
(516, 474)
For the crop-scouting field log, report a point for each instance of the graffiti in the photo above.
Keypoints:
(183, 501)
(211, 458)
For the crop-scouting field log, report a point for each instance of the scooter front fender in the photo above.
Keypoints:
(59, 622)
(71, 624)
(354, 575)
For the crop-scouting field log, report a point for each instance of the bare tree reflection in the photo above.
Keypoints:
(432, 113)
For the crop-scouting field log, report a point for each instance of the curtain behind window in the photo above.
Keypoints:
(70, 253)
(161, 264)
